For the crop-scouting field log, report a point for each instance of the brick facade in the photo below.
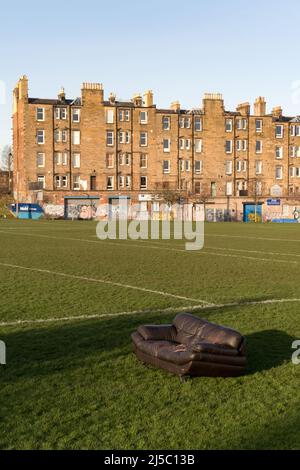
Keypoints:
(97, 147)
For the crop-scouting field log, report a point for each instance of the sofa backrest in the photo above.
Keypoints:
(190, 329)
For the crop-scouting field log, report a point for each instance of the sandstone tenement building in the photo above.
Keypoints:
(89, 146)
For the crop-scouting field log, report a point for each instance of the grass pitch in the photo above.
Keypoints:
(69, 303)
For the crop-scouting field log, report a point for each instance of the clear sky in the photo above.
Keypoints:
(180, 49)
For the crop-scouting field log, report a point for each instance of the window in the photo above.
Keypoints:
(198, 145)
(76, 115)
(295, 131)
(278, 172)
(229, 188)
(245, 145)
(143, 117)
(166, 145)
(64, 135)
(127, 137)
(229, 167)
(143, 139)
(258, 125)
(187, 165)
(278, 153)
(181, 144)
(228, 146)
(57, 135)
(109, 160)
(58, 158)
(238, 166)
(198, 124)
(121, 115)
(109, 138)
(40, 160)
(258, 167)
(238, 145)
(61, 113)
(65, 158)
(121, 181)
(76, 182)
(242, 124)
(93, 182)
(61, 181)
(76, 160)
(127, 158)
(279, 131)
(40, 114)
(213, 189)
(41, 181)
(197, 187)
(127, 115)
(166, 166)
(143, 182)
(143, 160)
(294, 151)
(245, 164)
(110, 182)
(121, 137)
(64, 181)
(109, 116)
(166, 123)
(40, 137)
(128, 181)
(198, 166)
(187, 123)
(228, 125)
(258, 146)
(76, 137)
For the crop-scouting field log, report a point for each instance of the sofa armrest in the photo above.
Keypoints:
(211, 348)
(157, 332)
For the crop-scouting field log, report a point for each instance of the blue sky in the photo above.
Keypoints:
(180, 49)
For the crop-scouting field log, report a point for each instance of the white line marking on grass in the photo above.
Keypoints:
(149, 311)
(154, 247)
(104, 281)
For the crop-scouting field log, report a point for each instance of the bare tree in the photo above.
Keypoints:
(256, 191)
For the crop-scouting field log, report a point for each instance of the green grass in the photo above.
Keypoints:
(76, 384)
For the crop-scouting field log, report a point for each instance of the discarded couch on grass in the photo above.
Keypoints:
(191, 347)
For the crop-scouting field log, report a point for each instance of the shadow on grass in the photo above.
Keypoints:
(46, 350)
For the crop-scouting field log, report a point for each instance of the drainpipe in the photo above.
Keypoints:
(117, 149)
(178, 149)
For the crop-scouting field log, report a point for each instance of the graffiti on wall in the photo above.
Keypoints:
(81, 209)
(54, 210)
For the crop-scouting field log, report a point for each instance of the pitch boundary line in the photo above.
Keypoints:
(202, 252)
(104, 281)
(149, 311)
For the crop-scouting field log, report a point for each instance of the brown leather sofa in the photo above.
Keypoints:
(191, 347)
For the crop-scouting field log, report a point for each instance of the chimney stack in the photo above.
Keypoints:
(175, 105)
(260, 106)
(277, 112)
(62, 95)
(243, 108)
(148, 99)
(137, 99)
(92, 93)
(23, 88)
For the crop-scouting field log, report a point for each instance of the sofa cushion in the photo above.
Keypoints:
(158, 332)
(178, 354)
(190, 329)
